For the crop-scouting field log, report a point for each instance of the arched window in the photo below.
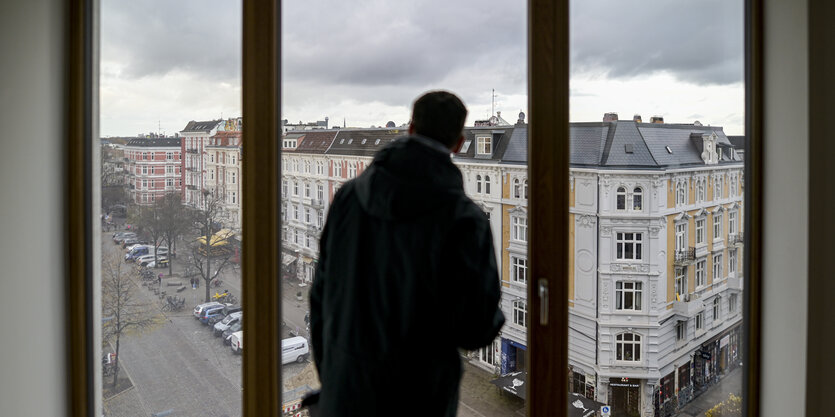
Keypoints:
(637, 199)
(628, 347)
(478, 184)
(487, 184)
(517, 188)
(525, 189)
(621, 198)
(681, 194)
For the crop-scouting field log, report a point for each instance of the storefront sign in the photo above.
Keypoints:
(725, 340)
(705, 355)
(622, 384)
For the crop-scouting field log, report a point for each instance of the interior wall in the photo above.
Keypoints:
(32, 355)
(785, 208)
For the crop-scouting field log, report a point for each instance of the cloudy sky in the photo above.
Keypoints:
(166, 62)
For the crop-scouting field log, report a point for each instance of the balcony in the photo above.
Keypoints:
(688, 306)
(317, 203)
(735, 283)
(685, 256)
(735, 239)
(191, 150)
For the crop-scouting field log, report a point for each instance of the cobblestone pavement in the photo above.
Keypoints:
(479, 398)
(731, 383)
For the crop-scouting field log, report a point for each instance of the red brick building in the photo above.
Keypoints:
(153, 168)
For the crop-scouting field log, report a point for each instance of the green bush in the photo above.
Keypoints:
(728, 408)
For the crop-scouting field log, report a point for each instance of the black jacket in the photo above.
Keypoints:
(406, 276)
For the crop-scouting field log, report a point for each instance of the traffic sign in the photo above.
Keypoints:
(605, 411)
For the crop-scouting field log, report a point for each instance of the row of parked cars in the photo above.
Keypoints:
(226, 321)
(141, 252)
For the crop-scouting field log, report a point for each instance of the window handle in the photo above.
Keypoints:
(543, 301)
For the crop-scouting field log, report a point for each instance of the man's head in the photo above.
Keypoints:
(439, 115)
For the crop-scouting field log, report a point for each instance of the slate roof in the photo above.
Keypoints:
(205, 126)
(312, 141)
(155, 143)
(350, 141)
(501, 138)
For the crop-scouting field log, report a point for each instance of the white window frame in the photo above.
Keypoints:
(732, 222)
(352, 169)
(639, 193)
(169, 182)
(717, 226)
(295, 212)
(307, 217)
(517, 188)
(620, 199)
(284, 187)
(681, 193)
(700, 190)
(622, 241)
(489, 353)
(700, 231)
(144, 170)
(487, 184)
(717, 308)
(701, 273)
(520, 313)
(718, 273)
(519, 269)
(478, 184)
(700, 320)
(295, 188)
(307, 190)
(525, 189)
(681, 281)
(717, 188)
(621, 344)
(320, 192)
(733, 299)
(519, 228)
(732, 261)
(233, 177)
(681, 236)
(321, 217)
(484, 145)
(681, 331)
(337, 169)
(625, 290)
(169, 156)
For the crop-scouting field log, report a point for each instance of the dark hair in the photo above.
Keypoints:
(439, 115)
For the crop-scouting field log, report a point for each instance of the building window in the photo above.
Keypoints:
(637, 199)
(487, 184)
(320, 192)
(233, 178)
(337, 168)
(308, 242)
(525, 189)
(234, 200)
(717, 226)
(295, 188)
(295, 212)
(169, 169)
(233, 159)
(732, 222)
(320, 168)
(488, 354)
(520, 313)
(628, 347)
(717, 188)
(681, 330)
(700, 190)
(681, 282)
(732, 300)
(700, 320)
(296, 165)
(144, 184)
(519, 269)
(629, 246)
(284, 187)
(352, 169)
(517, 188)
(307, 167)
(681, 236)
(681, 193)
(717, 308)
(478, 184)
(717, 267)
(520, 228)
(169, 182)
(320, 214)
(700, 273)
(144, 170)
(211, 174)
(307, 217)
(734, 188)
(621, 198)
(700, 231)
(731, 261)
(169, 156)
(144, 155)
(307, 190)
(484, 145)
(628, 295)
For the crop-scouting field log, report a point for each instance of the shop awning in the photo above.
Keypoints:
(580, 406)
(514, 383)
(287, 259)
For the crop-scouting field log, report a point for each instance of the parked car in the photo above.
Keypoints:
(198, 310)
(119, 239)
(226, 323)
(210, 312)
(294, 349)
(147, 260)
(224, 313)
(121, 233)
(136, 251)
(159, 263)
(236, 341)
(227, 334)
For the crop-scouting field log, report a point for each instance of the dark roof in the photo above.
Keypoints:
(501, 137)
(737, 141)
(363, 142)
(205, 126)
(155, 143)
(312, 141)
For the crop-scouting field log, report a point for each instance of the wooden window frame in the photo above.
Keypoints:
(548, 69)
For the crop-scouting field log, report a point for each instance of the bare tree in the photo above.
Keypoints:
(120, 307)
(211, 253)
(175, 219)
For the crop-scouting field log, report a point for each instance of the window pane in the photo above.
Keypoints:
(350, 74)
(657, 156)
(171, 168)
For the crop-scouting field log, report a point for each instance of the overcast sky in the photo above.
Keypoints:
(165, 62)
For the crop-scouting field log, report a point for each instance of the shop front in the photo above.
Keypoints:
(513, 356)
(625, 397)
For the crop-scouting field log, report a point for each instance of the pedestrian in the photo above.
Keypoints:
(191, 281)
(159, 279)
(404, 255)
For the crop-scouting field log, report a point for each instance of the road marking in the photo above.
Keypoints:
(471, 409)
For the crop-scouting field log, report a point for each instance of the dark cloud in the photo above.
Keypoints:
(157, 37)
(699, 42)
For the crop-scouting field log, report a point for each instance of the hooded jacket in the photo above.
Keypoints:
(406, 276)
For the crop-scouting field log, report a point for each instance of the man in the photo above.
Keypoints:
(406, 276)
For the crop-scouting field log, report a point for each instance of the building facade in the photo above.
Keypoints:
(153, 168)
(223, 175)
(194, 138)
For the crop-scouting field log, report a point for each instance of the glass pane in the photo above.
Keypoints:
(351, 73)
(171, 184)
(657, 113)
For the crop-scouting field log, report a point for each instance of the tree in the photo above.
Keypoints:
(731, 407)
(150, 221)
(211, 250)
(175, 219)
(119, 307)
(113, 187)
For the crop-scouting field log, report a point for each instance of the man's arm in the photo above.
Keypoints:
(472, 263)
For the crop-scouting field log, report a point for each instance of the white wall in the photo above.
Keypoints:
(785, 209)
(32, 354)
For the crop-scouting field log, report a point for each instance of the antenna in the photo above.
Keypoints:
(493, 103)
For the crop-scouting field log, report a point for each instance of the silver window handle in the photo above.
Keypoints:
(543, 301)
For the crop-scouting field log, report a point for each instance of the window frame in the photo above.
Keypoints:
(637, 246)
(621, 293)
(548, 57)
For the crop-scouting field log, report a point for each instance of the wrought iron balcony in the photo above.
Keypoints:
(735, 239)
(685, 256)
(317, 202)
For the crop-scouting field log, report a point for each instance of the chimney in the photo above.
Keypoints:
(637, 118)
(610, 117)
(657, 119)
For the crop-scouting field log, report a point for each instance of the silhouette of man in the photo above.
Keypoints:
(406, 276)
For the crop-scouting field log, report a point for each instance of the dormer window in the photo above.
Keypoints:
(485, 145)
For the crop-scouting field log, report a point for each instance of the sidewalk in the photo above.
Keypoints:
(731, 383)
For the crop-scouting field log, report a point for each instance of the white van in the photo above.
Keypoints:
(237, 342)
(294, 349)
